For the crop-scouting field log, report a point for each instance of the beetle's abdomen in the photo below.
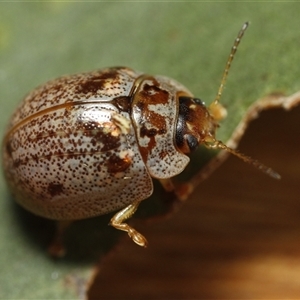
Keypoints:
(74, 159)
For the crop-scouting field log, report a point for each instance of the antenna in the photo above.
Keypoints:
(212, 143)
(218, 112)
(215, 106)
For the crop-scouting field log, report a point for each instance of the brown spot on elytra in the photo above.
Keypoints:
(9, 148)
(97, 82)
(116, 164)
(109, 142)
(17, 163)
(106, 134)
(91, 86)
(55, 189)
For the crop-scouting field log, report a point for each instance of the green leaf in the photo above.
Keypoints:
(189, 42)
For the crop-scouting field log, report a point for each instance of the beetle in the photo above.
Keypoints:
(89, 144)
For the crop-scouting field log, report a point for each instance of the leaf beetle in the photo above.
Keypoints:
(89, 144)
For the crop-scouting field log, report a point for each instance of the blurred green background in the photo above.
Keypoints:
(187, 41)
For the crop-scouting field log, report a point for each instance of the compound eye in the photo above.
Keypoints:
(192, 142)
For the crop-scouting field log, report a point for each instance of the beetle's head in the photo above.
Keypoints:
(196, 124)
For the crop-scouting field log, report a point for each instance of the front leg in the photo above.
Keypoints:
(181, 190)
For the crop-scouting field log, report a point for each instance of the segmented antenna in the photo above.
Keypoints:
(215, 144)
(216, 102)
(216, 109)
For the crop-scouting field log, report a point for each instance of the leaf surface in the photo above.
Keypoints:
(189, 42)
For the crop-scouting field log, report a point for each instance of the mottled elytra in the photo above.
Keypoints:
(89, 144)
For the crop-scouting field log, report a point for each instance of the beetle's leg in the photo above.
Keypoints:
(182, 190)
(167, 184)
(118, 219)
(56, 248)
